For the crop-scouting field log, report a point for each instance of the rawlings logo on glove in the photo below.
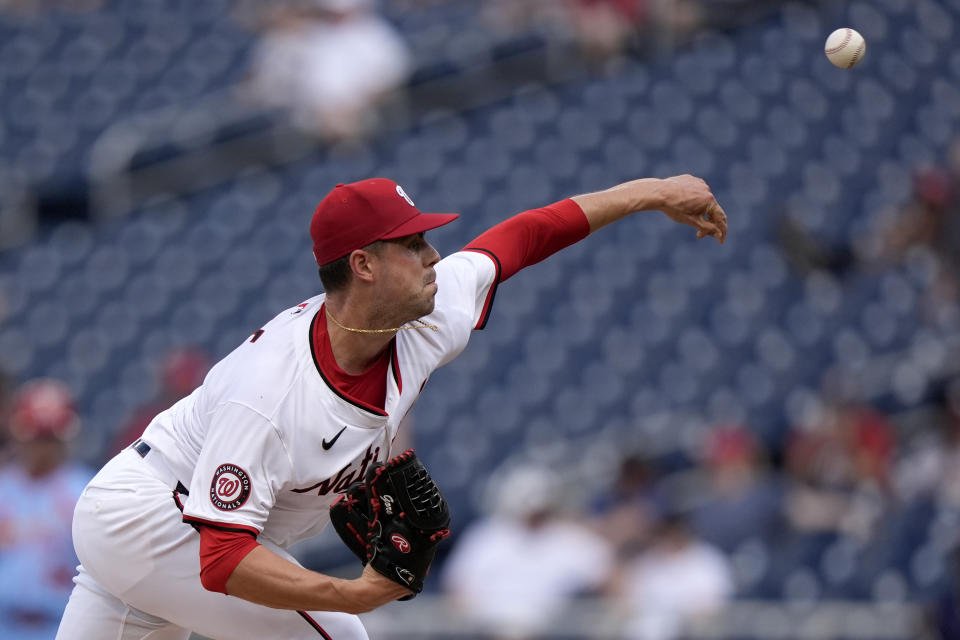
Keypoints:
(394, 520)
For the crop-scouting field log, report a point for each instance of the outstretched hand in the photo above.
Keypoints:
(688, 200)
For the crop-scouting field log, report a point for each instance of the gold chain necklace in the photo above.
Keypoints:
(422, 325)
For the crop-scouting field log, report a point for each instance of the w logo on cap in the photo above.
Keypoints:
(403, 194)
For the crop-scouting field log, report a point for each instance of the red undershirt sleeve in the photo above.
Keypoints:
(220, 553)
(531, 236)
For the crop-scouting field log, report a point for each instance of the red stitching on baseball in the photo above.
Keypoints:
(847, 36)
(857, 54)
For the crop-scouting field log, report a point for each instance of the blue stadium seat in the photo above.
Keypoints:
(21, 55)
(717, 127)
(695, 72)
(761, 75)
(672, 101)
(919, 49)
(786, 52)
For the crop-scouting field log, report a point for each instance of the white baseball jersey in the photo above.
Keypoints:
(266, 442)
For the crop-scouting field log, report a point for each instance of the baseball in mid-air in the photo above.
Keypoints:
(845, 47)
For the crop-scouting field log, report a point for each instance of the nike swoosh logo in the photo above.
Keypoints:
(326, 445)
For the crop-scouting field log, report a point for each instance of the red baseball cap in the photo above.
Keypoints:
(354, 215)
(43, 407)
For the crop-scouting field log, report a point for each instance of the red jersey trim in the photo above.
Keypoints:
(395, 365)
(220, 554)
(313, 623)
(343, 396)
(488, 303)
(222, 526)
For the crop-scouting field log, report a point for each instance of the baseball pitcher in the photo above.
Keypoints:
(187, 529)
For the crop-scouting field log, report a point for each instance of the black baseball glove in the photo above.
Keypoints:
(393, 519)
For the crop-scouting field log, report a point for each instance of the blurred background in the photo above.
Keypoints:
(654, 437)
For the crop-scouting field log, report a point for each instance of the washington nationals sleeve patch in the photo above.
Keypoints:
(230, 487)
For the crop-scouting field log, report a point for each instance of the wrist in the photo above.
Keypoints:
(328, 593)
(348, 595)
(366, 593)
(651, 194)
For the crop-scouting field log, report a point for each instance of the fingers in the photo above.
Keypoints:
(705, 229)
(688, 207)
(712, 222)
(718, 220)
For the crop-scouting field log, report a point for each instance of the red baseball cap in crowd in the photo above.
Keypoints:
(354, 215)
(43, 407)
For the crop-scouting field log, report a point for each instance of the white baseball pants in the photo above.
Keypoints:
(139, 574)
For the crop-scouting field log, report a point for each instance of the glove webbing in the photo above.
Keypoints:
(349, 501)
(423, 492)
(412, 486)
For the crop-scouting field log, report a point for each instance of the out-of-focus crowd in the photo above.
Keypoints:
(335, 63)
(39, 485)
(40, 482)
(925, 229)
(670, 541)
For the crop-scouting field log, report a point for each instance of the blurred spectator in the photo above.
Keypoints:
(931, 220)
(930, 470)
(627, 511)
(514, 570)
(6, 390)
(519, 16)
(680, 578)
(332, 63)
(604, 30)
(181, 371)
(841, 471)
(735, 498)
(607, 30)
(40, 487)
